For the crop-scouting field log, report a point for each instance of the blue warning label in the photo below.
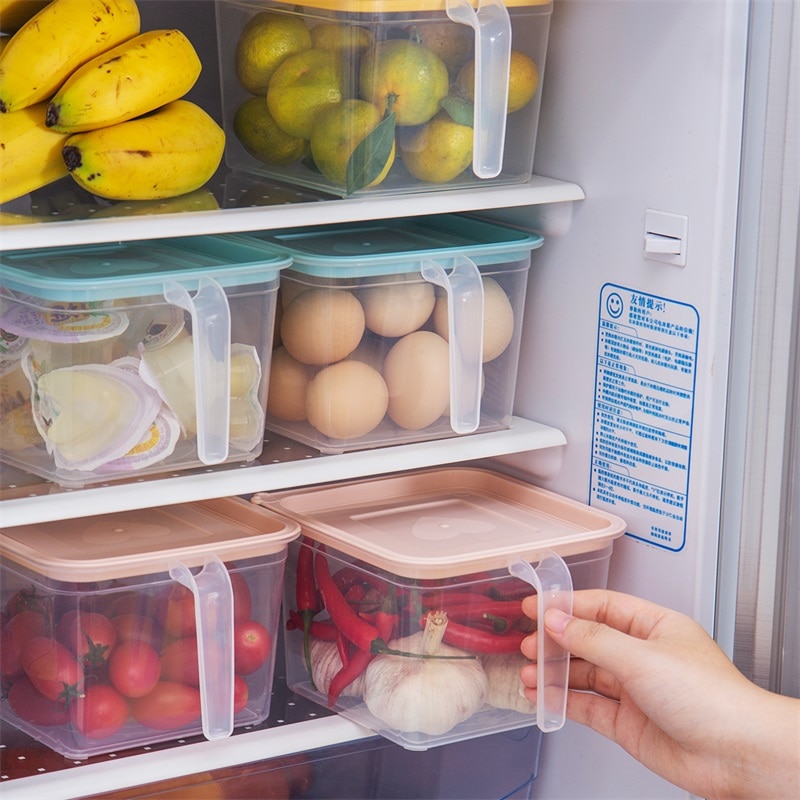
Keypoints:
(643, 410)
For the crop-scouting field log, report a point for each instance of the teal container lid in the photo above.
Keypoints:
(395, 246)
(136, 269)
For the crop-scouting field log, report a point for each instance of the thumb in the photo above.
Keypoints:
(606, 647)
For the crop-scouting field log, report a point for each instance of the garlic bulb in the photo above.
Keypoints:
(505, 685)
(427, 695)
(325, 663)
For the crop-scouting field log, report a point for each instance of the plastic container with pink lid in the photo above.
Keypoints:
(132, 628)
(434, 563)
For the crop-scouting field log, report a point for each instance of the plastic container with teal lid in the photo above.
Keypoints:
(396, 331)
(462, 546)
(138, 357)
(145, 612)
(395, 97)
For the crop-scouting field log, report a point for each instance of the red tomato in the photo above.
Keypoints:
(175, 611)
(32, 706)
(100, 712)
(251, 646)
(89, 635)
(16, 632)
(134, 668)
(242, 599)
(179, 661)
(171, 705)
(52, 668)
(241, 694)
(141, 628)
(29, 599)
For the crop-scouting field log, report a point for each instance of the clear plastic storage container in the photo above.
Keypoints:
(383, 96)
(433, 563)
(133, 628)
(396, 331)
(131, 358)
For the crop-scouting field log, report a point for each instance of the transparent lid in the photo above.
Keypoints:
(395, 246)
(147, 541)
(445, 522)
(134, 269)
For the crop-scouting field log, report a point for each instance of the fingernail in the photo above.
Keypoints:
(556, 620)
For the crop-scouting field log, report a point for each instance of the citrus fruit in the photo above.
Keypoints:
(523, 80)
(301, 87)
(438, 151)
(405, 77)
(266, 40)
(451, 41)
(340, 37)
(338, 130)
(261, 136)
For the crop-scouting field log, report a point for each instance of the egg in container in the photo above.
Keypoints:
(396, 331)
(131, 628)
(403, 599)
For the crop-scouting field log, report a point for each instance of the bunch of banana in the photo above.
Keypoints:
(174, 150)
(110, 97)
(140, 75)
(51, 45)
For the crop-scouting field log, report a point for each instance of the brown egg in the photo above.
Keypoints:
(417, 374)
(397, 305)
(288, 381)
(498, 319)
(346, 400)
(321, 326)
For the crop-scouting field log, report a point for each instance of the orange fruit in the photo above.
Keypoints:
(523, 81)
(262, 137)
(406, 77)
(438, 151)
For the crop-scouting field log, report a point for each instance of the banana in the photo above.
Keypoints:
(137, 76)
(30, 153)
(174, 150)
(51, 45)
(15, 13)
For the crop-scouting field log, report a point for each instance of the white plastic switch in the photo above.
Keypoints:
(665, 237)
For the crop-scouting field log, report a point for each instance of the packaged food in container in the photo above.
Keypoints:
(137, 357)
(403, 598)
(131, 628)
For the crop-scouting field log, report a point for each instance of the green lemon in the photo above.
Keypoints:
(262, 137)
(438, 151)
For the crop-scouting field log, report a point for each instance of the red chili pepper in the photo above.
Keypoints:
(349, 576)
(319, 629)
(511, 589)
(306, 596)
(343, 646)
(435, 600)
(476, 640)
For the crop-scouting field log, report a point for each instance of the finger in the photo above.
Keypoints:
(625, 613)
(596, 712)
(583, 676)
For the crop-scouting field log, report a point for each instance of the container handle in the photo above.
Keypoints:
(553, 583)
(211, 342)
(464, 289)
(213, 613)
(492, 26)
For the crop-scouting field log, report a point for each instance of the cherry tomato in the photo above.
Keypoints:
(91, 636)
(169, 706)
(242, 599)
(16, 632)
(52, 668)
(241, 694)
(32, 706)
(251, 646)
(139, 627)
(100, 712)
(134, 668)
(179, 661)
(175, 611)
(29, 599)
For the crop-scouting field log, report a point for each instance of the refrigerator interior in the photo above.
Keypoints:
(642, 111)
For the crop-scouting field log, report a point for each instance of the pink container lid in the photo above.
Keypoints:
(444, 522)
(147, 541)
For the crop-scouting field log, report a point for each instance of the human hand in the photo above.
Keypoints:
(653, 681)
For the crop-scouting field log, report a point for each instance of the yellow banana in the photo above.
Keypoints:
(50, 46)
(174, 150)
(15, 13)
(137, 76)
(30, 153)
